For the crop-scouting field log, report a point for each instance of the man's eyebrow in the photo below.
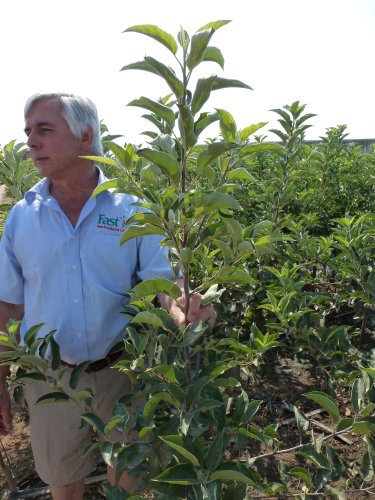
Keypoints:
(38, 125)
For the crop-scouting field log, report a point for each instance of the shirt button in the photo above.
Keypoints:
(76, 301)
(74, 268)
(79, 334)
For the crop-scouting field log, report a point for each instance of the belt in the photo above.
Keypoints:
(99, 364)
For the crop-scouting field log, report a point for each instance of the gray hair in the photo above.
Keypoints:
(79, 112)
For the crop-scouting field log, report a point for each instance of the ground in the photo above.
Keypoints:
(284, 382)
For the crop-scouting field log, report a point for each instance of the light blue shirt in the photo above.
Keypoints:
(73, 279)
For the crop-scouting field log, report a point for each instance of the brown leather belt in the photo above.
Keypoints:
(99, 364)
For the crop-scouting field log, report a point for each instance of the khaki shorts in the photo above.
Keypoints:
(56, 438)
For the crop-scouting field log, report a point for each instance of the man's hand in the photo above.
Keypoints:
(196, 311)
(5, 410)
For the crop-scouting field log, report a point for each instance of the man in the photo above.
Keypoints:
(61, 264)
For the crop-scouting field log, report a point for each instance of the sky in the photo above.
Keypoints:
(318, 52)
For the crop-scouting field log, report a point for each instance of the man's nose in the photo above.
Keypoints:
(32, 141)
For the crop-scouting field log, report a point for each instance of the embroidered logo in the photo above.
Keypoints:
(116, 224)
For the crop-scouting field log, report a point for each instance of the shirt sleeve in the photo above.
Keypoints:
(153, 259)
(11, 278)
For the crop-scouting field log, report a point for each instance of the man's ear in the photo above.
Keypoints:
(87, 139)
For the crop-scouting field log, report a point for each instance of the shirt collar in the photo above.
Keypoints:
(40, 191)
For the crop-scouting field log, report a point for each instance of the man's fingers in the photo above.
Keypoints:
(194, 308)
(196, 313)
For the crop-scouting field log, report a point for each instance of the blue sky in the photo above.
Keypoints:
(319, 52)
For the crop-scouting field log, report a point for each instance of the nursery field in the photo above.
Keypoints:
(277, 399)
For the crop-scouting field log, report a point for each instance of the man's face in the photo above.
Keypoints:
(53, 147)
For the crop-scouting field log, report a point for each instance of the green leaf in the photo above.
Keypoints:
(368, 410)
(144, 217)
(166, 319)
(240, 173)
(137, 231)
(215, 452)
(89, 449)
(30, 360)
(31, 376)
(150, 406)
(141, 65)
(303, 474)
(212, 152)
(217, 200)
(208, 404)
(94, 421)
(234, 471)
(165, 161)
(334, 460)
(121, 154)
(198, 45)
(157, 34)
(228, 126)
(147, 317)
(344, 424)
(13, 327)
(251, 410)
(358, 395)
(192, 333)
(214, 25)
(186, 127)
(310, 453)
(181, 444)
(183, 474)
(302, 422)
(224, 83)
(367, 467)
(229, 274)
(131, 456)
(195, 388)
(166, 370)
(55, 352)
(31, 334)
(168, 75)
(85, 396)
(245, 132)
(101, 159)
(335, 492)
(106, 449)
(211, 295)
(213, 54)
(53, 397)
(326, 402)
(201, 93)
(77, 373)
(365, 426)
(157, 285)
(235, 492)
(204, 120)
(183, 38)
(262, 146)
(160, 110)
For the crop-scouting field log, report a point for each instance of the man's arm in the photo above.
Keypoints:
(196, 312)
(7, 312)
